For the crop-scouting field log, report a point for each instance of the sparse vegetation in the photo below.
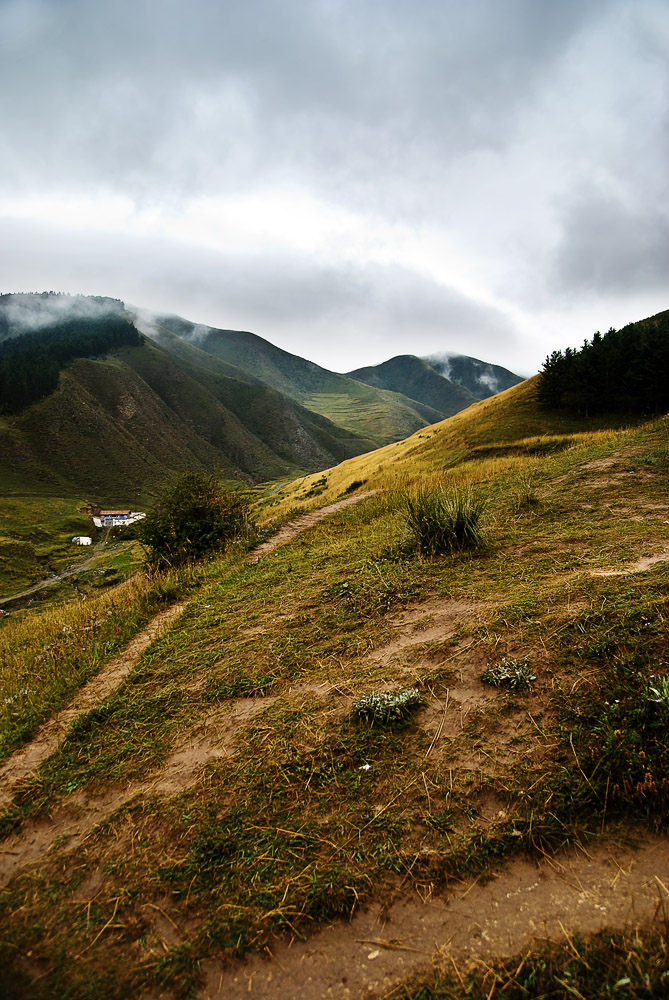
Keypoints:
(632, 965)
(442, 520)
(352, 487)
(238, 794)
(510, 672)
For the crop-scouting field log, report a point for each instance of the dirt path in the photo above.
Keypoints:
(79, 815)
(608, 887)
(26, 760)
(300, 524)
(638, 567)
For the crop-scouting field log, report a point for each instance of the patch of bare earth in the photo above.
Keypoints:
(640, 566)
(527, 902)
(79, 815)
(300, 524)
(429, 621)
(21, 764)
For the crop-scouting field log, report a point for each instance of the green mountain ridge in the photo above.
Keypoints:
(378, 414)
(414, 377)
(117, 426)
(115, 423)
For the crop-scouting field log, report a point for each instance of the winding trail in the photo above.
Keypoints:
(383, 944)
(22, 763)
(26, 760)
(575, 891)
(300, 524)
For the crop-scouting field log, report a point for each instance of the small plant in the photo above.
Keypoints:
(387, 707)
(442, 520)
(317, 487)
(526, 494)
(658, 692)
(510, 672)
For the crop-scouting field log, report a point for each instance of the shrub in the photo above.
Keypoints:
(352, 487)
(194, 517)
(441, 520)
(387, 707)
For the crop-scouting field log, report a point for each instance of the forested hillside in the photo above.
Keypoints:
(621, 371)
(30, 364)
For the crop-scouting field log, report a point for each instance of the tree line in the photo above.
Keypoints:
(30, 364)
(621, 371)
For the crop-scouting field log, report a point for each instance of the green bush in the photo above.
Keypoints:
(194, 517)
(441, 520)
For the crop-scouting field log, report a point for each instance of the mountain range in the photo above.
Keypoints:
(191, 396)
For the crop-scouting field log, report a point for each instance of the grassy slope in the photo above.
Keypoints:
(36, 538)
(313, 813)
(416, 379)
(364, 410)
(290, 430)
(508, 427)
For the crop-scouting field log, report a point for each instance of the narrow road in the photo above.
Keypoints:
(71, 570)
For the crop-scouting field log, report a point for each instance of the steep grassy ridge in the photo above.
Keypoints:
(509, 428)
(364, 410)
(226, 796)
(115, 427)
(297, 434)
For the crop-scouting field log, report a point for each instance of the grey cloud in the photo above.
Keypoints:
(609, 246)
(528, 136)
(111, 91)
(327, 314)
(27, 313)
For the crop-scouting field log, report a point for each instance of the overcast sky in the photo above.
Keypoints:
(351, 179)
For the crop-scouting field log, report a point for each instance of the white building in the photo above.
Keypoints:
(117, 518)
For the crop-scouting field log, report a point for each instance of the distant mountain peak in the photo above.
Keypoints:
(482, 378)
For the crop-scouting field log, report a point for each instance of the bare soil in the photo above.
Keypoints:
(213, 738)
(427, 622)
(400, 934)
(640, 566)
(526, 902)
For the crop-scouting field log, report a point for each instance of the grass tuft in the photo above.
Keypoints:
(441, 520)
(510, 672)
